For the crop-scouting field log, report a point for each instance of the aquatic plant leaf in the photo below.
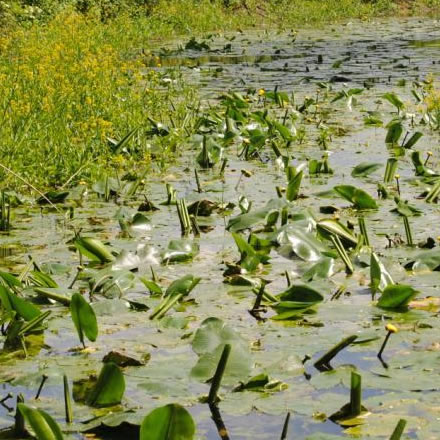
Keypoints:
(249, 257)
(405, 209)
(393, 99)
(109, 389)
(180, 250)
(373, 121)
(261, 383)
(53, 197)
(42, 279)
(140, 223)
(396, 296)
(283, 131)
(299, 296)
(208, 343)
(10, 301)
(153, 287)
(183, 286)
(365, 168)
(322, 269)
(395, 130)
(328, 227)
(93, 249)
(293, 186)
(379, 276)
(62, 295)
(43, 425)
(120, 146)
(169, 422)
(300, 243)
(358, 197)
(415, 137)
(256, 217)
(210, 154)
(140, 260)
(429, 259)
(84, 318)
(10, 280)
(421, 169)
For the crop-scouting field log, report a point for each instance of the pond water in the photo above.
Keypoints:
(378, 57)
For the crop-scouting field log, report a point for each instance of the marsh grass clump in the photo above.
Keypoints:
(70, 94)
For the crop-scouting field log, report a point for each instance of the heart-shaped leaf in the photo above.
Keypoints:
(208, 344)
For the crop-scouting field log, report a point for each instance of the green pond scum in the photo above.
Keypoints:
(228, 235)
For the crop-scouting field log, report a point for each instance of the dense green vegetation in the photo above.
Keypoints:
(229, 233)
(72, 76)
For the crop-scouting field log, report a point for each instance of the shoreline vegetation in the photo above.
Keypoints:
(73, 86)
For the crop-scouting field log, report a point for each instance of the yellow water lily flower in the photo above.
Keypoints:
(391, 328)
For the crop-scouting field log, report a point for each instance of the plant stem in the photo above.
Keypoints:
(355, 394)
(67, 401)
(19, 427)
(342, 253)
(398, 430)
(218, 376)
(382, 348)
(408, 232)
(199, 187)
(40, 388)
(363, 229)
(285, 427)
(323, 363)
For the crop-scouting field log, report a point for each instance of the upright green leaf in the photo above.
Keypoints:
(169, 422)
(380, 278)
(395, 130)
(293, 186)
(413, 140)
(110, 387)
(393, 99)
(43, 425)
(396, 296)
(10, 301)
(84, 318)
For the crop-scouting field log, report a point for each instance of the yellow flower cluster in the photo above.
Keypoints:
(66, 88)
